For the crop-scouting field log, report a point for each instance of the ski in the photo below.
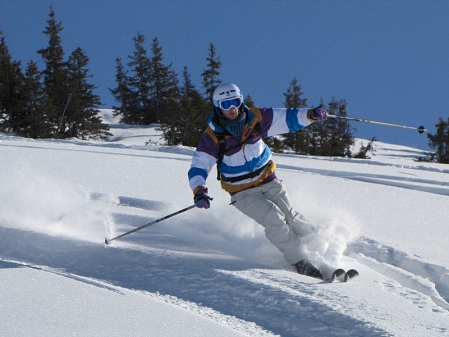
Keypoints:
(304, 267)
(350, 274)
(342, 275)
(335, 275)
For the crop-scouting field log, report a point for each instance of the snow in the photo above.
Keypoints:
(213, 272)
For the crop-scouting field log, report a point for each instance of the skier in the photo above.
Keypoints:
(233, 141)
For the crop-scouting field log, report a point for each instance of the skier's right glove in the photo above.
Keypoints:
(201, 198)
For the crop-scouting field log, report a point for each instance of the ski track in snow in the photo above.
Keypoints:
(407, 182)
(423, 277)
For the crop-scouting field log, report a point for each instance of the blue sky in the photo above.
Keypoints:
(388, 59)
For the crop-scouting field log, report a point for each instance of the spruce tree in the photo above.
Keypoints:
(140, 111)
(210, 74)
(181, 127)
(341, 133)
(12, 103)
(124, 95)
(55, 73)
(195, 111)
(190, 118)
(298, 140)
(80, 115)
(335, 136)
(38, 105)
(249, 101)
(362, 153)
(440, 142)
(164, 89)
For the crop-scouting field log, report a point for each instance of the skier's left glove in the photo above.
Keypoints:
(201, 198)
(317, 114)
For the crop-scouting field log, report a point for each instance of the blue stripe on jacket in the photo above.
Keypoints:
(248, 166)
(196, 171)
(292, 120)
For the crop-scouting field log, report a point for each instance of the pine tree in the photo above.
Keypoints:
(140, 111)
(210, 74)
(55, 72)
(335, 136)
(249, 101)
(178, 130)
(12, 102)
(298, 140)
(440, 142)
(124, 95)
(80, 115)
(181, 121)
(170, 108)
(195, 110)
(364, 149)
(164, 89)
(189, 124)
(38, 105)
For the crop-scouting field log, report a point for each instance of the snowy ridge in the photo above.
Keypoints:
(213, 272)
(427, 278)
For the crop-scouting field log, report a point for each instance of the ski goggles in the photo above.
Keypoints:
(227, 104)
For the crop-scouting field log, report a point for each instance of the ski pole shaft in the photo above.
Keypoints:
(420, 129)
(108, 241)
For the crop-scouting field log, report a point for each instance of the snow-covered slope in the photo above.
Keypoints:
(213, 272)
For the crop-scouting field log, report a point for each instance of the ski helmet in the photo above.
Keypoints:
(227, 95)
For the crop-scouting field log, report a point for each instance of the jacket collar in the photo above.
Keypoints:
(214, 120)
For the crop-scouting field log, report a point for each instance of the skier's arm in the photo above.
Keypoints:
(276, 121)
(203, 160)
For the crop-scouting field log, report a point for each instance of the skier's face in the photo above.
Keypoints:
(231, 114)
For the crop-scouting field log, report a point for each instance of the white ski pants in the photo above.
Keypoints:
(270, 206)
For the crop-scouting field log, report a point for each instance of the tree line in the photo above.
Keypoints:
(59, 102)
(147, 91)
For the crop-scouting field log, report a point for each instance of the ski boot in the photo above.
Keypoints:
(305, 267)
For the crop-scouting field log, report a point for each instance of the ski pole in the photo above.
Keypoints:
(420, 129)
(108, 241)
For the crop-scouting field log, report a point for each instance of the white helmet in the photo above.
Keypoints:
(227, 95)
